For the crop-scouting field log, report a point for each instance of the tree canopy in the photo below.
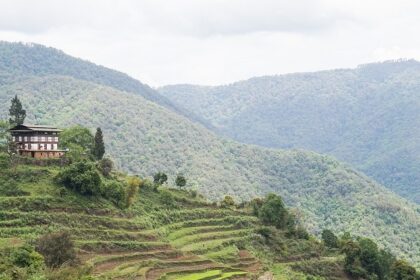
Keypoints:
(99, 145)
(16, 112)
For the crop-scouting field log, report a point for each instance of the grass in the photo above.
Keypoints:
(284, 272)
(200, 275)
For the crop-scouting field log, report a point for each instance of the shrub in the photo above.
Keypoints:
(26, 256)
(133, 184)
(57, 249)
(4, 161)
(193, 193)
(106, 166)
(167, 198)
(401, 270)
(227, 202)
(146, 184)
(81, 177)
(180, 181)
(273, 211)
(265, 232)
(160, 178)
(329, 238)
(115, 192)
(256, 204)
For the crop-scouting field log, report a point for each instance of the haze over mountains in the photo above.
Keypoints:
(368, 116)
(146, 133)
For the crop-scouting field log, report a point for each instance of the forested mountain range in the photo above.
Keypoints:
(367, 116)
(144, 137)
(30, 59)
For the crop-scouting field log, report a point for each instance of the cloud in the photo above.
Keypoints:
(217, 41)
(185, 17)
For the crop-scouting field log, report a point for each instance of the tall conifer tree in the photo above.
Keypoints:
(16, 112)
(99, 147)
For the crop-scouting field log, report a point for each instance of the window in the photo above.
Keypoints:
(42, 138)
(20, 138)
(25, 138)
(54, 146)
(49, 139)
(55, 139)
(48, 146)
(26, 146)
(14, 138)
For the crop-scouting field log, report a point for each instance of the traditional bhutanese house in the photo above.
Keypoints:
(37, 141)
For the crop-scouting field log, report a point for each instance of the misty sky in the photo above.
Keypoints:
(217, 41)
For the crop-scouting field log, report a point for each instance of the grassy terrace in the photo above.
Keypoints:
(185, 238)
(151, 240)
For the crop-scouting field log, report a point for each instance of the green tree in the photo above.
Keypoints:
(329, 238)
(273, 211)
(99, 146)
(79, 140)
(81, 177)
(160, 178)
(16, 112)
(115, 192)
(369, 255)
(180, 181)
(26, 256)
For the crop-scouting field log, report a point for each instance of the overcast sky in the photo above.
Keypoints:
(217, 41)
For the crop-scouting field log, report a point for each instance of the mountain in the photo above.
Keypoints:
(19, 59)
(144, 137)
(368, 116)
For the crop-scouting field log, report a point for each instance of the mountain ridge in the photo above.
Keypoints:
(145, 137)
(363, 116)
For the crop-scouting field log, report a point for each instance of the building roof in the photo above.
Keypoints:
(32, 127)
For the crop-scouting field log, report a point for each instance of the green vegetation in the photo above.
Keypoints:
(99, 145)
(329, 238)
(180, 181)
(164, 233)
(16, 112)
(366, 116)
(81, 177)
(143, 137)
(57, 249)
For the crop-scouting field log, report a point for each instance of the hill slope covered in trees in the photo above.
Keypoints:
(144, 137)
(368, 116)
(18, 60)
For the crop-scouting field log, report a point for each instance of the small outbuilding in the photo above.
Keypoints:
(37, 141)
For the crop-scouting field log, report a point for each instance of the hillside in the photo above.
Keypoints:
(144, 137)
(368, 116)
(169, 234)
(164, 234)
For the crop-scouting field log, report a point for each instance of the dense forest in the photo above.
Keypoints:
(368, 116)
(144, 137)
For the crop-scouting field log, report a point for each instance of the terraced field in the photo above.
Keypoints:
(149, 241)
(165, 234)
